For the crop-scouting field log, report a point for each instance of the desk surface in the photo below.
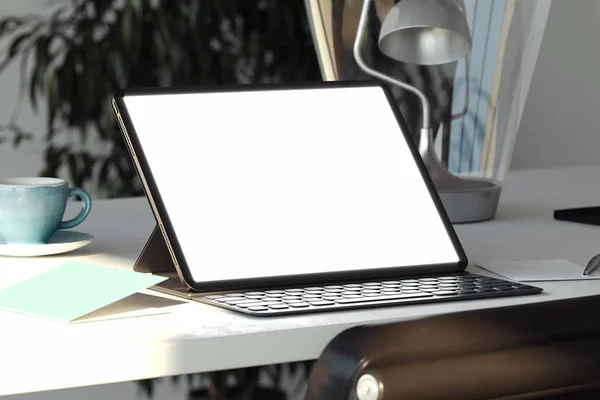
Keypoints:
(39, 355)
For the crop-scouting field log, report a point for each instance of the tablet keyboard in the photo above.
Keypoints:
(368, 294)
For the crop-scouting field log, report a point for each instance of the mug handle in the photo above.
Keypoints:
(85, 210)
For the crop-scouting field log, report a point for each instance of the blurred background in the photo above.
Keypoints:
(60, 61)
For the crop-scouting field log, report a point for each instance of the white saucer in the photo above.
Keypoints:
(60, 242)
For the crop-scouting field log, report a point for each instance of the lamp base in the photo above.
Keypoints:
(476, 203)
(465, 199)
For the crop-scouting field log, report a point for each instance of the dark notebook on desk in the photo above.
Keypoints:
(276, 199)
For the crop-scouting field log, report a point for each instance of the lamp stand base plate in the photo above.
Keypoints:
(476, 203)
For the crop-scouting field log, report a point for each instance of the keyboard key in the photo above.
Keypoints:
(372, 285)
(291, 298)
(429, 280)
(234, 295)
(254, 297)
(390, 283)
(334, 290)
(428, 287)
(382, 298)
(390, 290)
(215, 297)
(353, 286)
(333, 287)
(372, 294)
(313, 291)
(311, 296)
(274, 292)
(298, 305)
(271, 300)
(293, 301)
(410, 291)
(445, 292)
(278, 306)
(326, 297)
(323, 303)
(319, 289)
(405, 281)
(242, 301)
(250, 303)
(350, 295)
(229, 299)
(256, 293)
(275, 295)
(290, 291)
(447, 278)
(258, 308)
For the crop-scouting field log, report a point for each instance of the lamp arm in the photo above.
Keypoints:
(362, 25)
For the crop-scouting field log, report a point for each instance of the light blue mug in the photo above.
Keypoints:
(32, 209)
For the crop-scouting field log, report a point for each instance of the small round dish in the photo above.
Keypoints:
(60, 242)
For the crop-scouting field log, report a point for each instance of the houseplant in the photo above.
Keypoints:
(73, 58)
(77, 53)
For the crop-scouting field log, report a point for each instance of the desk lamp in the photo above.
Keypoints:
(431, 32)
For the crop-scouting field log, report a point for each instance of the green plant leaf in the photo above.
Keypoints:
(74, 170)
(52, 104)
(55, 21)
(36, 81)
(88, 166)
(103, 174)
(15, 46)
(101, 7)
(10, 24)
(147, 43)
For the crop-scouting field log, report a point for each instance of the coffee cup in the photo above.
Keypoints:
(32, 209)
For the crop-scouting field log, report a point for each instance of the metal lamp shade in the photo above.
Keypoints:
(426, 32)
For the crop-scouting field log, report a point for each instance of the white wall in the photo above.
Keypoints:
(560, 124)
(27, 159)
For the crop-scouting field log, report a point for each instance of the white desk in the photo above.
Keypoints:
(39, 355)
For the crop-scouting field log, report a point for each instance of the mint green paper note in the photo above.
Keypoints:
(73, 290)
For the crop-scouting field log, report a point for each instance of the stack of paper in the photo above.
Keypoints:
(540, 270)
(77, 290)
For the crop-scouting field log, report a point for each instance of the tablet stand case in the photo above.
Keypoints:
(155, 257)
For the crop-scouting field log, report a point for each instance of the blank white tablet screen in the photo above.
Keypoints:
(285, 182)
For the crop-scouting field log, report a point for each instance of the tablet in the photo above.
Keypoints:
(262, 185)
